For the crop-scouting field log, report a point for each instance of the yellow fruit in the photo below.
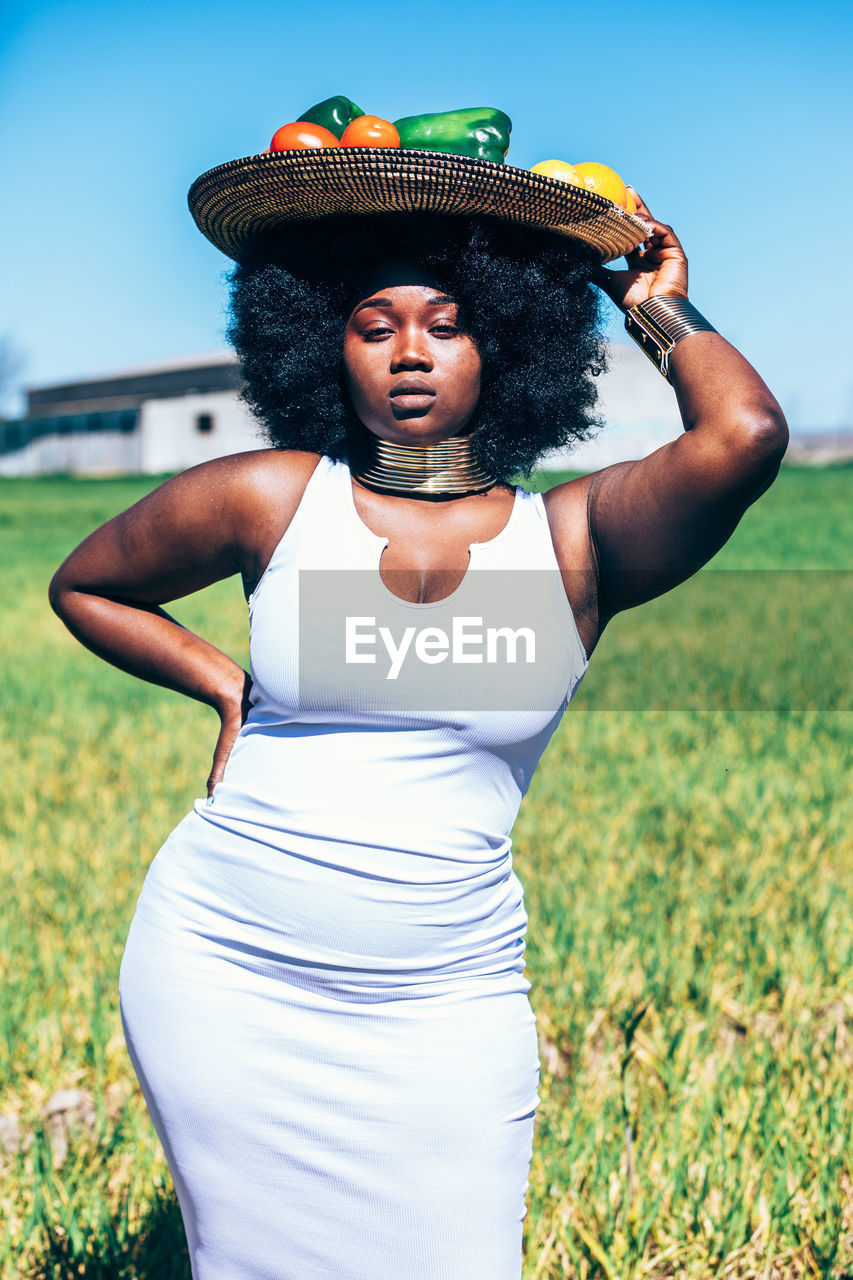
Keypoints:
(557, 169)
(603, 181)
(629, 202)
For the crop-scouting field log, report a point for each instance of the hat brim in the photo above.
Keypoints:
(237, 203)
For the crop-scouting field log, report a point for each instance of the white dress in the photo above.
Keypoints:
(323, 989)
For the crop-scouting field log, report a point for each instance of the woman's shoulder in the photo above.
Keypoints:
(263, 489)
(255, 483)
(262, 473)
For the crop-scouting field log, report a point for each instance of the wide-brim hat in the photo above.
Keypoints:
(239, 203)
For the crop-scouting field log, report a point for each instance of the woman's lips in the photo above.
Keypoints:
(412, 396)
(413, 389)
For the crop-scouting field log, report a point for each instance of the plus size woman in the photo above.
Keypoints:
(323, 989)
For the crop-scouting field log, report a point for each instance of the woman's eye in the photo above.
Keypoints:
(378, 331)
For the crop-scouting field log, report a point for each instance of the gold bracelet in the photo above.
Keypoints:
(657, 324)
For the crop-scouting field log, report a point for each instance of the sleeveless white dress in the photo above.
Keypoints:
(323, 990)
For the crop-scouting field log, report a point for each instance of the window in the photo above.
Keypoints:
(204, 423)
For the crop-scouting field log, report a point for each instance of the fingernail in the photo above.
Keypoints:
(209, 800)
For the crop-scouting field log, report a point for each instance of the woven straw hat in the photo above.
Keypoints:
(238, 202)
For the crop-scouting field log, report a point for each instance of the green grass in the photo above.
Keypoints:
(687, 875)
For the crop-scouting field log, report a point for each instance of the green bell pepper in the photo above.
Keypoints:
(333, 114)
(481, 132)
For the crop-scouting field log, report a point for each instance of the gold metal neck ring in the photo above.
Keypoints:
(447, 467)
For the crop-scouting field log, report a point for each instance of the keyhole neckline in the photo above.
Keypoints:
(378, 538)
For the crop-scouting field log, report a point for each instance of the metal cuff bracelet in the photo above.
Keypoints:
(659, 323)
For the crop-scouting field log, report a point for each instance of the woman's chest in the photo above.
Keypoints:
(336, 638)
(427, 550)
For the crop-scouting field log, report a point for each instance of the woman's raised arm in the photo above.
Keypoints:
(195, 529)
(655, 522)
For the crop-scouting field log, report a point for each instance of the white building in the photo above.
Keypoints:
(149, 420)
(165, 417)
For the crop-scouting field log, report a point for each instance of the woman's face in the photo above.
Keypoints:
(413, 375)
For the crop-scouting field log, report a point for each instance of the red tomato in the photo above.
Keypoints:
(370, 131)
(300, 134)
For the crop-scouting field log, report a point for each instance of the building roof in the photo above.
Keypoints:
(199, 360)
(128, 388)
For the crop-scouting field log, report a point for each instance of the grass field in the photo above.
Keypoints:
(686, 855)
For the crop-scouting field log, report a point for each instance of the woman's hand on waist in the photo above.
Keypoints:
(233, 710)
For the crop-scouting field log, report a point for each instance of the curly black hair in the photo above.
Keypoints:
(524, 295)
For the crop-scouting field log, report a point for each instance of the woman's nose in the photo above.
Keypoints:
(411, 350)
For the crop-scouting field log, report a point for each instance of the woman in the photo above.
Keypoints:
(323, 989)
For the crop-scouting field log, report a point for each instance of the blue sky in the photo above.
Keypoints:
(733, 121)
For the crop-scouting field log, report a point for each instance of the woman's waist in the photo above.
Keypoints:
(390, 821)
(280, 911)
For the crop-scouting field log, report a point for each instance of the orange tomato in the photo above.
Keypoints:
(370, 131)
(300, 134)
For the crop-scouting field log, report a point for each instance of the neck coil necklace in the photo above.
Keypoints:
(448, 468)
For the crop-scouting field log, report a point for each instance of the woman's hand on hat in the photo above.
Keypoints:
(659, 265)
